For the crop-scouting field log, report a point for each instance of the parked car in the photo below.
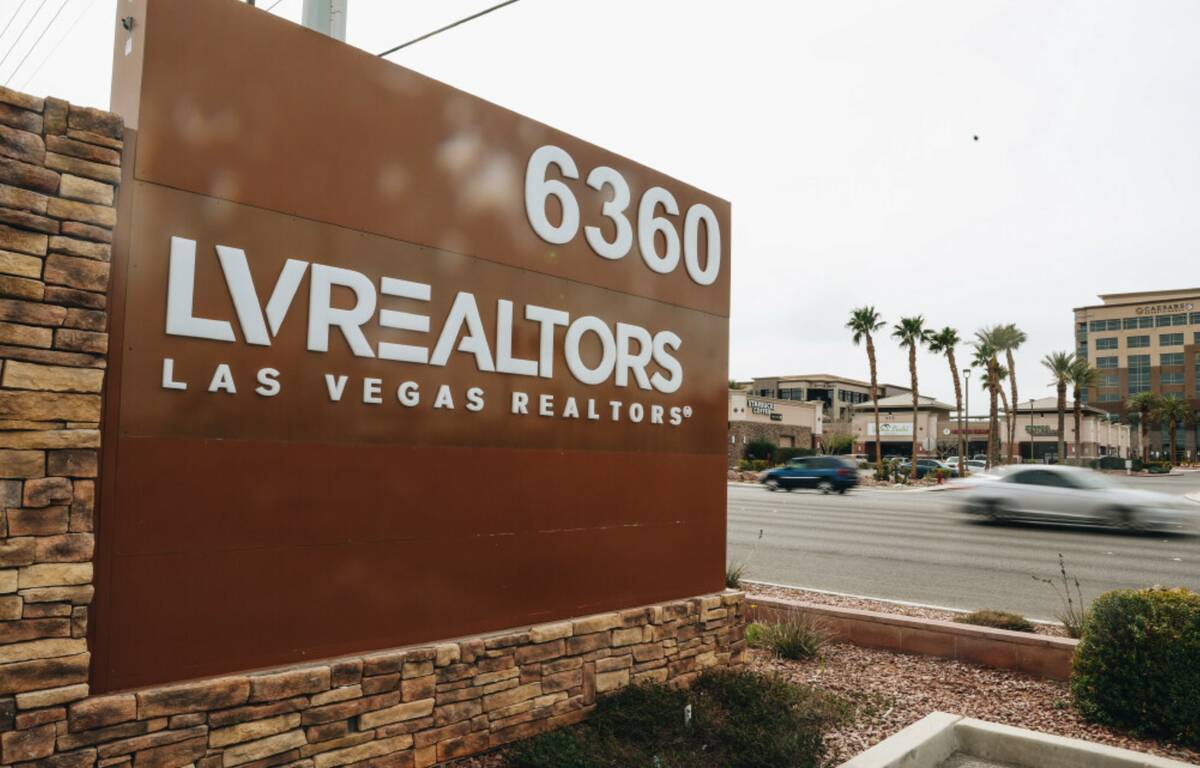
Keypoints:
(1064, 494)
(925, 466)
(825, 473)
(973, 465)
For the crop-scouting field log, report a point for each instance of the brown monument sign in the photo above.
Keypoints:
(389, 364)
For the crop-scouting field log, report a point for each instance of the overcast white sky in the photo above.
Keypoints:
(842, 134)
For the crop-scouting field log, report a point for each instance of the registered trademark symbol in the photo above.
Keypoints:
(687, 411)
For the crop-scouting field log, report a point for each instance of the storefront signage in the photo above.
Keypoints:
(761, 407)
(891, 429)
(1158, 309)
(1040, 430)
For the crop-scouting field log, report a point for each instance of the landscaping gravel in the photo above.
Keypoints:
(865, 604)
(890, 691)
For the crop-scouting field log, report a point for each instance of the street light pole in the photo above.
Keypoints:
(1031, 429)
(965, 417)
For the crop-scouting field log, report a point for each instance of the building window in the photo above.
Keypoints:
(1129, 323)
(1177, 395)
(1170, 339)
(1109, 397)
(1170, 358)
(1172, 378)
(1110, 380)
(1134, 342)
(1106, 362)
(1081, 353)
(1146, 322)
(1107, 343)
(1195, 318)
(1096, 325)
(1180, 319)
(1139, 373)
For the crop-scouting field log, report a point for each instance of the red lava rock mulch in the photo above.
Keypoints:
(890, 691)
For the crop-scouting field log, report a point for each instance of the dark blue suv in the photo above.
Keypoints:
(825, 473)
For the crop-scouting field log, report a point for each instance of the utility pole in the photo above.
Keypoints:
(325, 16)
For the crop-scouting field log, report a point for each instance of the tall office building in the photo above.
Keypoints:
(1144, 342)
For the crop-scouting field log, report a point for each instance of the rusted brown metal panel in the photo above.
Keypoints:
(247, 107)
(238, 530)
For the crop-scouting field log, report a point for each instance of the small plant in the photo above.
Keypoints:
(1136, 666)
(733, 575)
(1014, 622)
(798, 636)
(754, 632)
(739, 719)
(1074, 611)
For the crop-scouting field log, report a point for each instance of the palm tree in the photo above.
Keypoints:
(1171, 412)
(912, 334)
(1000, 373)
(1145, 405)
(985, 357)
(1083, 378)
(943, 342)
(1059, 364)
(864, 321)
(1007, 339)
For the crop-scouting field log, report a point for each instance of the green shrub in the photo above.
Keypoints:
(744, 465)
(797, 636)
(784, 455)
(733, 575)
(1158, 467)
(754, 631)
(739, 719)
(762, 450)
(1138, 664)
(997, 620)
(758, 465)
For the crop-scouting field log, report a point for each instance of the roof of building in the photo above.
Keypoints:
(1141, 297)
(1050, 404)
(905, 401)
(829, 377)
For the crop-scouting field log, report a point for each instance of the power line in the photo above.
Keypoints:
(428, 35)
(71, 28)
(272, 7)
(21, 63)
(12, 19)
(22, 34)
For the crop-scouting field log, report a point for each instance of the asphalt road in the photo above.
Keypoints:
(915, 546)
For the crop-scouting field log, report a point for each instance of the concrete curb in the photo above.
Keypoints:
(1193, 497)
(935, 737)
(1040, 655)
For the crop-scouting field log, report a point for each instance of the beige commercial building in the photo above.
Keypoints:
(896, 425)
(785, 423)
(1037, 433)
(836, 395)
(938, 430)
(1144, 342)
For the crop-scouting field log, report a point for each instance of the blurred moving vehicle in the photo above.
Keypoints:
(925, 466)
(825, 473)
(1063, 494)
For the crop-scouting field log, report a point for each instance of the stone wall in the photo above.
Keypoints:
(59, 170)
(743, 432)
(404, 708)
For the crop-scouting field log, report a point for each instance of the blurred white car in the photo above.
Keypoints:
(1060, 494)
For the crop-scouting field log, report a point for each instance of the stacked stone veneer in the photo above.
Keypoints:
(59, 170)
(409, 707)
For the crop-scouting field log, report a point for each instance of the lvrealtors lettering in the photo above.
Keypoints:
(631, 355)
